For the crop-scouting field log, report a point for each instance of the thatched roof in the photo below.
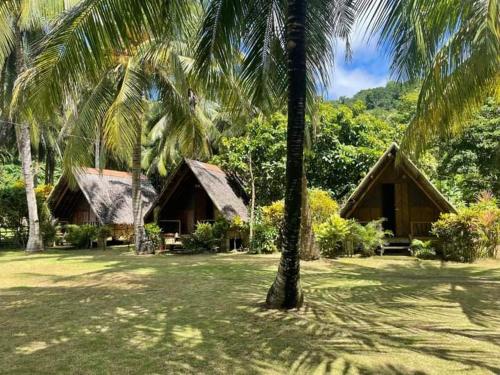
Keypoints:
(108, 192)
(220, 188)
(410, 168)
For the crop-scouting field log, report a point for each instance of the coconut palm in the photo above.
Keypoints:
(287, 48)
(21, 23)
(454, 42)
(121, 84)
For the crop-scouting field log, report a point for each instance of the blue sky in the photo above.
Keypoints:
(367, 68)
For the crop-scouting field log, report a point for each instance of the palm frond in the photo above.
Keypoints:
(7, 9)
(453, 47)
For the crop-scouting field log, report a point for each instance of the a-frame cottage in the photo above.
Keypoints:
(197, 192)
(399, 192)
(101, 197)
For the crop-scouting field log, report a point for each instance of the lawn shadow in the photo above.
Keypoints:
(123, 313)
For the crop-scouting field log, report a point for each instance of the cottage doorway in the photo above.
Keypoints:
(389, 207)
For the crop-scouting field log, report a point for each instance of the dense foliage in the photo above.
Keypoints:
(213, 237)
(153, 233)
(338, 236)
(14, 210)
(346, 141)
(81, 236)
(472, 233)
(422, 249)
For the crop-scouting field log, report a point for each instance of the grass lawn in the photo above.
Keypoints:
(94, 312)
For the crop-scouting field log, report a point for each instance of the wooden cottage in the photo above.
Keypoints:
(101, 197)
(399, 192)
(197, 192)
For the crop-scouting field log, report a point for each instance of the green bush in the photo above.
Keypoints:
(264, 238)
(322, 207)
(14, 212)
(425, 254)
(102, 234)
(220, 228)
(153, 232)
(368, 238)
(338, 236)
(81, 236)
(422, 249)
(49, 232)
(202, 239)
(470, 234)
(332, 234)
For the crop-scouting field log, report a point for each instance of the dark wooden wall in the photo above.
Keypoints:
(73, 208)
(189, 203)
(414, 209)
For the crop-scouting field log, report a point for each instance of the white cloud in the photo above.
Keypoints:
(368, 67)
(347, 82)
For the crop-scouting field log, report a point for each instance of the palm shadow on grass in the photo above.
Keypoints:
(124, 314)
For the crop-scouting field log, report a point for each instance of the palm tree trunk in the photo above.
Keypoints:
(35, 242)
(50, 162)
(136, 193)
(252, 203)
(286, 292)
(308, 247)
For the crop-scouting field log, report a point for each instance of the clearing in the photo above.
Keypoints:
(95, 312)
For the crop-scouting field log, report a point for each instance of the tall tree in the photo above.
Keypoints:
(286, 291)
(21, 23)
(122, 77)
(277, 60)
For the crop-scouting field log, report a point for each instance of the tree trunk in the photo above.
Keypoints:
(35, 242)
(308, 247)
(50, 162)
(136, 193)
(252, 203)
(286, 291)
(99, 149)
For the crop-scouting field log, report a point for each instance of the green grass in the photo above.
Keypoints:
(94, 312)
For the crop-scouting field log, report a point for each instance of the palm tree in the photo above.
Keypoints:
(286, 49)
(21, 22)
(453, 47)
(121, 79)
(82, 42)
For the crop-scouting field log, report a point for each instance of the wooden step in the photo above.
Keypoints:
(395, 248)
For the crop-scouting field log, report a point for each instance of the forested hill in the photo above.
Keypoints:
(462, 165)
(389, 97)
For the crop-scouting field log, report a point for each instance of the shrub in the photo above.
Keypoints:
(368, 238)
(470, 234)
(422, 249)
(425, 253)
(49, 232)
(264, 238)
(81, 236)
(220, 228)
(14, 212)
(202, 239)
(322, 208)
(332, 234)
(153, 232)
(322, 205)
(102, 234)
